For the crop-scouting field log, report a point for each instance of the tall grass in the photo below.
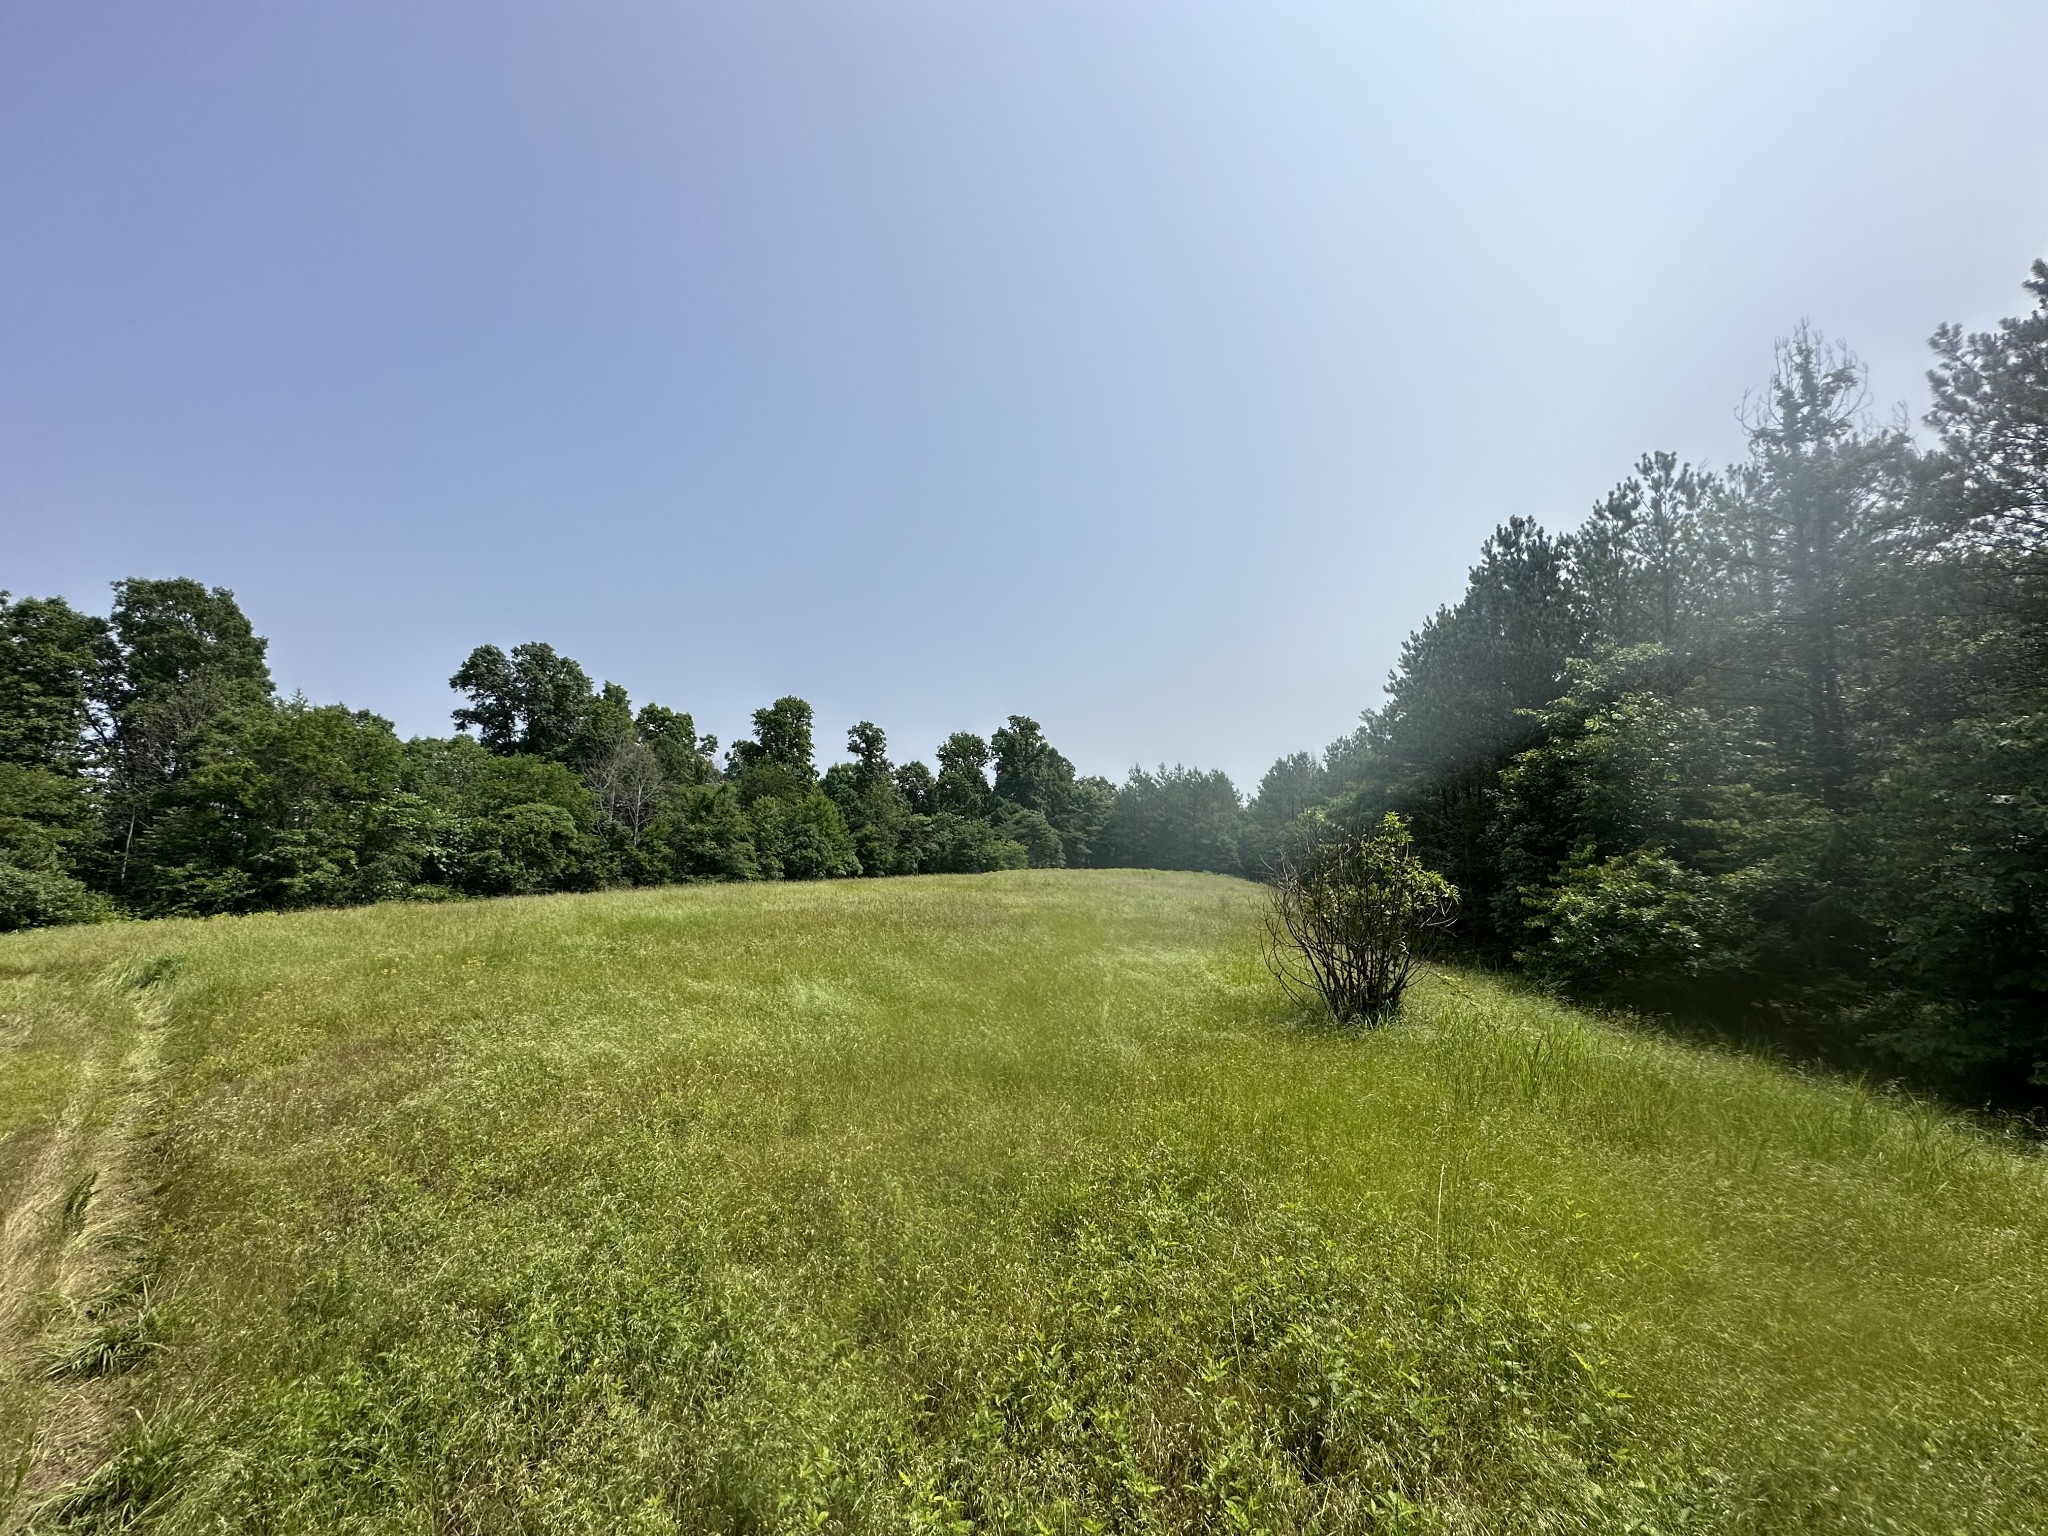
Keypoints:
(1008, 1203)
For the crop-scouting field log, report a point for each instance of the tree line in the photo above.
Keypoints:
(149, 767)
(1768, 742)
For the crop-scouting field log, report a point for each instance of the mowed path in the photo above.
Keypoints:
(1017, 1202)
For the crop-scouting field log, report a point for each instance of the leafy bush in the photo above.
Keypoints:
(521, 849)
(283, 807)
(1960, 825)
(1030, 830)
(1348, 915)
(703, 834)
(950, 844)
(1637, 927)
(802, 838)
(42, 898)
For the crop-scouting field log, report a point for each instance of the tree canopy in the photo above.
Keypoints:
(1763, 742)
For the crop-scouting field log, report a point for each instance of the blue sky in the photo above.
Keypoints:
(1149, 369)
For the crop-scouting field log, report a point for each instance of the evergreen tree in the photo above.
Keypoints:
(1802, 535)
(1176, 818)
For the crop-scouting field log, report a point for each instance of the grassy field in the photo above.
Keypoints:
(1003, 1203)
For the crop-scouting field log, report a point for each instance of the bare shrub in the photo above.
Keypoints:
(1349, 916)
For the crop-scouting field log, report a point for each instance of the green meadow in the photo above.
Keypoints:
(1009, 1203)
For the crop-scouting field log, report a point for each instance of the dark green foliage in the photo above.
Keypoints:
(181, 655)
(608, 722)
(872, 807)
(51, 657)
(146, 766)
(1765, 745)
(486, 825)
(1644, 858)
(962, 786)
(1034, 776)
(1960, 849)
(39, 898)
(1029, 830)
(172, 635)
(1802, 537)
(797, 831)
(284, 806)
(1991, 411)
(529, 847)
(956, 823)
(907, 820)
(869, 746)
(1615, 768)
(950, 844)
(47, 817)
(779, 759)
(802, 838)
(531, 701)
(1467, 674)
(1291, 786)
(1456, 711)
(1957, 815)
(1029, 770)
(1177, 818)
(1093, 799)
(703, 834)
(621, 771)
(1638, 560)
(919, 789)
(683, 756)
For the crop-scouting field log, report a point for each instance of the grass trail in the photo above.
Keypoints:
(1003, 1203)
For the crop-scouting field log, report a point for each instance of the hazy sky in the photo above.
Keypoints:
(1149, 369)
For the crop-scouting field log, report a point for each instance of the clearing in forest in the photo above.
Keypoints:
(1018, 1202)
